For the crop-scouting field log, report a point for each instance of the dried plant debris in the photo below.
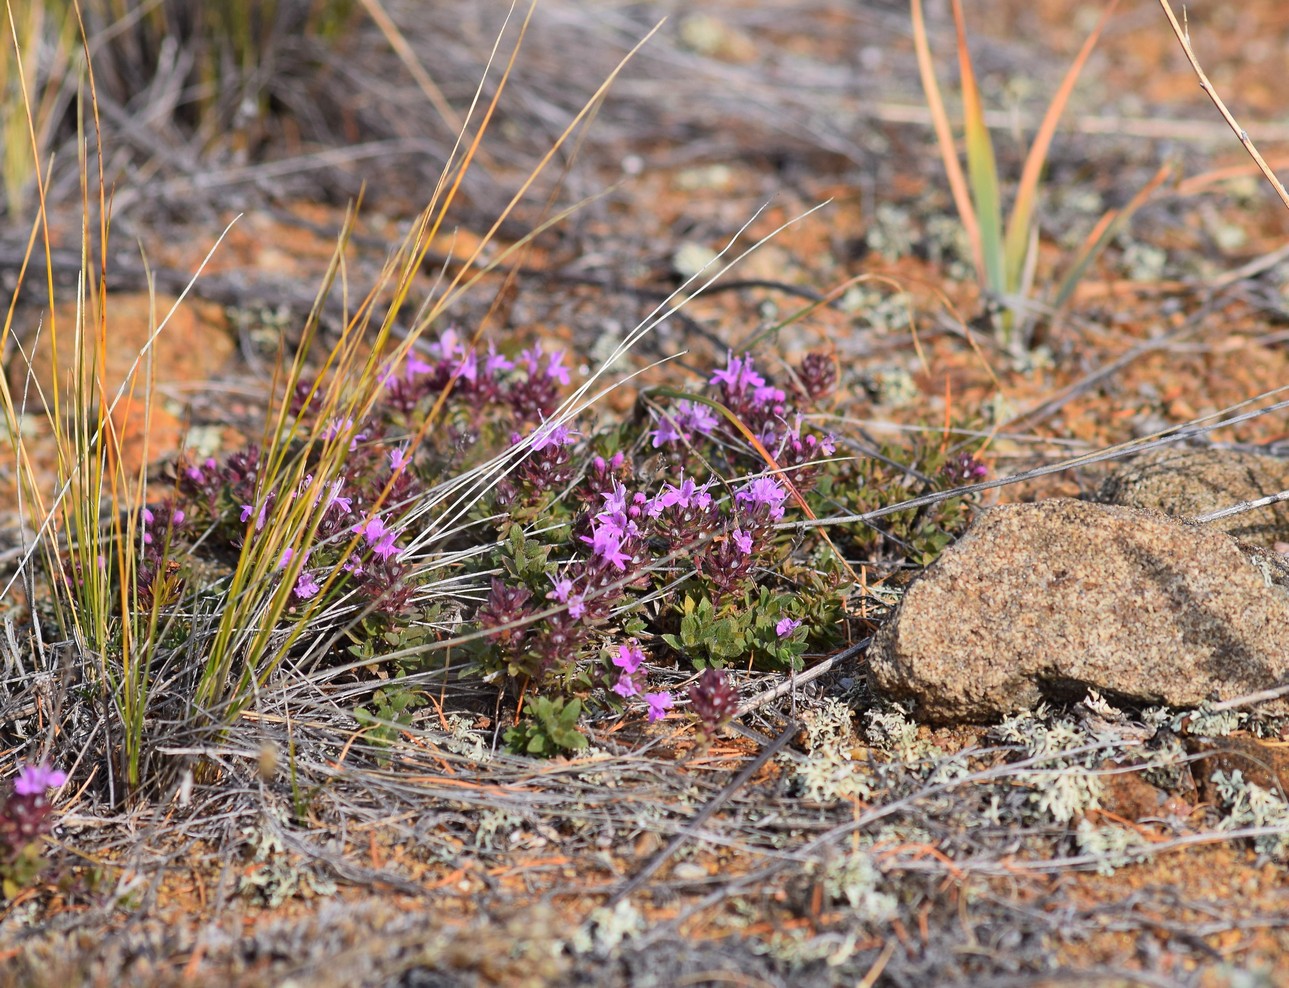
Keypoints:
(503, 745)
(870, 818)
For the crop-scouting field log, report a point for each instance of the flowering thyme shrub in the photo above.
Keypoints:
(25, 816)
(669, 547)
(660, 544)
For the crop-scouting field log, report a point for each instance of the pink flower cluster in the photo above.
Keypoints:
(629, 659)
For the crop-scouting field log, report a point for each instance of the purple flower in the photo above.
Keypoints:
(286, 558)
(688, 417)
(532, 360)
(626, 686)
(965, 469)
(249, 509)
(468, 369)
(33, 780)
(629, 658)
(415, 366)
(666, 432)
(346, 504)
(687, 494)
(305, 586)
(600, 466)
(786, 626)
(552, 435)
(742, 541)
(397, 457)
(555, 368)
(379, 536)
(767, 491)
(373, 529)
(615, 502)
(385, 547)
(412, 367)
(336, 426)
(449, 344)
(606, 542)
(697, 416)
(495, 363)
(619, 522)
(563, 593)
(659, 704)
(738, 374)
(769, 395)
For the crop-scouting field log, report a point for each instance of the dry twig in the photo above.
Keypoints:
(1183, 36)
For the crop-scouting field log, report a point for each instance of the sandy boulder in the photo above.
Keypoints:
(1045, 600)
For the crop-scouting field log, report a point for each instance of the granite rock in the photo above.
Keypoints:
(1185, 482)
(1042, 601)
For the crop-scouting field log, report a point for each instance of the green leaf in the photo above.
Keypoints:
(982, 168)
(549, 726)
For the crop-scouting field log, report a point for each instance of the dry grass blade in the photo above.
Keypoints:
(408, 57)
(982, 167)
(703, 815)
(945, 140)
(1183, 36)
(1103, 233)
(1201, 426)
(1022, 214)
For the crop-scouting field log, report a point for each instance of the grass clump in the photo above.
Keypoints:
(1005, 254)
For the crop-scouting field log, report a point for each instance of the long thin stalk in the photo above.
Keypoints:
(1183, 36)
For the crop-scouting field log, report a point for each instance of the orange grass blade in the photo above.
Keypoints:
(1017, 245)
(982, 168)
(944, 137)
(1105, 230)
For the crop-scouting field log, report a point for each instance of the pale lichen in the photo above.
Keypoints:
(1248, 805)
(852, 876)
(830, 772)
(1062, 785)
(607, 928)
(1113, 847)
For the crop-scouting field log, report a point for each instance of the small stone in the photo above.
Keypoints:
(689, 871)
(1187, 482)
(1044, 601)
